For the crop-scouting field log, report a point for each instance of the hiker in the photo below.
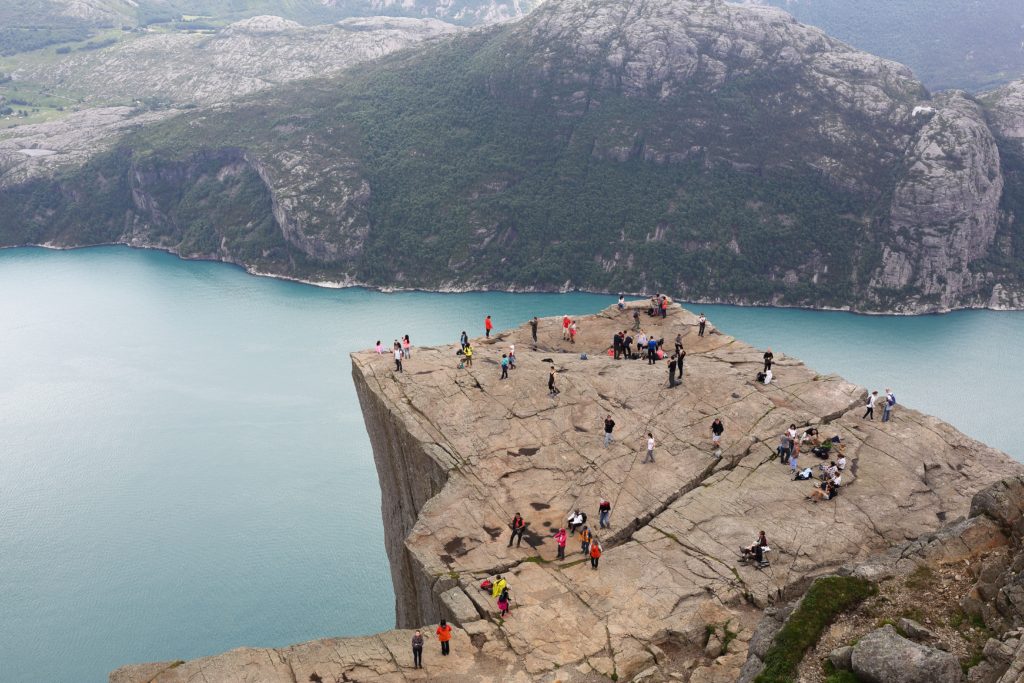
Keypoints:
(622, 302)
(652, 351)
(595, 553)
(768, 377)
(417, 650)
(761, 542)
(398, 358)
(488, 326)
(406, 347)
(794, 456)
(576, 519)
(444, 634)
(672, 372)
(791, 433)
(841, 462)
(572, 332)
(617, 345)
(380, 348)
(679, 344)
(464, 339)
(641, 343)
(890, 401)
(552, 391)
(627, 346)
(503, 603)
(499, 585)
(565, 327)
(636, 321)
(511, 356)
(585, 538)
(679, 363)
(560, 538)
(604, 511)
(467, 353)
(826, 493)
(716, 434)
(783, 449)
(664, 306)
(768, 358)
(609, 425)
(533, 328)
(518, 526)
(650, 449)
(701, 322)
(504, 366)
(870, 412)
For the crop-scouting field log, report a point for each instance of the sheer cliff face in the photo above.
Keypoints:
(722, 152)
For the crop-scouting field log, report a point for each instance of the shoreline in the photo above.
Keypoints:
(356, 284)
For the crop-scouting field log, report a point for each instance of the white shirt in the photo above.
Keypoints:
(841, 463)
(398, 354)
(871, 400)
(650, 444)
(511, 349)
(768, 377)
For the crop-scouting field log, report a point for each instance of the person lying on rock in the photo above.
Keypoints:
(826, 493)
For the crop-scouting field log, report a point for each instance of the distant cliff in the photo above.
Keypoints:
(459, 451)
(720, 152)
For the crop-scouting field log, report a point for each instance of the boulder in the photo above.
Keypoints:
(913, 629)
(884, 656)
(840, 657)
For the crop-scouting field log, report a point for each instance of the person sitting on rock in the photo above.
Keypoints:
(841, 462)
(819, 493)
(755, 548)
(811, 436)
(576, 519)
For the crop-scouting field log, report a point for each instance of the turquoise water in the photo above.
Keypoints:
(183, 463)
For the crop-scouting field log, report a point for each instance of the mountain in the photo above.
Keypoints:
(970, 44)
(717, 151)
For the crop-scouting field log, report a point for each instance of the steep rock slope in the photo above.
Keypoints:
(459, 451)
(721, 152)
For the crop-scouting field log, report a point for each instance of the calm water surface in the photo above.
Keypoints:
(183, 463)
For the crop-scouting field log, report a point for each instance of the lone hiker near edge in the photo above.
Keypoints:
(701, 322)
(488, 326)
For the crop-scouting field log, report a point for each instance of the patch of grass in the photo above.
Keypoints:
(921, 578)
(825, 599)
(957, 619)
(972, 661)
(727, 636)
(842, 677)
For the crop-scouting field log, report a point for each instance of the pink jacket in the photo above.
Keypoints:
(560, 538)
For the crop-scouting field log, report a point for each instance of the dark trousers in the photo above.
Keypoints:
(651, 357)
(417, 657)
(869, 413)
(398, 365)
(593, 562)
(672, 378)
(585, 547)
(700, 332)
(618, 351)
(534, 333)
(767, 365)
(504, 372)
(445, 647)
(561, 552)
(517, 536)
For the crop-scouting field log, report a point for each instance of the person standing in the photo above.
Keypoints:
(380, 348)
(467, 353)
(560, 539)
(533, 328)
(870, 412)
(417, 650)
(664, 306)
(504, 366)
(650, 449)
(398, 357)
(768, 358)
(565, 327)
(701, 322)
(511, 356)
(406, 347)
(595, 554)
(518, 526)
(609, 425)
(488, 326)
(636, 321)
(572, 332)
(652, 351)
(794, 456)
(552, 390)
(717, 428)
(679, 363)
(679, 345)
(444, 634)
(604, 512)
(890, 401)
(464, 339)
(672, 372)
(503, 603)
(622, 302)
(585, 538)
(500, 584)
(617, 345)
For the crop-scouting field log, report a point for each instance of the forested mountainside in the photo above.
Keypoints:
(716, 151)
(969, 44)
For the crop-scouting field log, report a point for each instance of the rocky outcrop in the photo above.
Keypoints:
(884, 656)
(180, 68)
(459, 451)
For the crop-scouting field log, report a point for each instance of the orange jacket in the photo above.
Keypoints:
(444, 633)
(595, 550)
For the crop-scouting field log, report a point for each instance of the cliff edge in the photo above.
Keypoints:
(459, 451)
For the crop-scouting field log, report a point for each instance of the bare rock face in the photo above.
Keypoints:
(459, 451)
(945, 210)
(1006, 110)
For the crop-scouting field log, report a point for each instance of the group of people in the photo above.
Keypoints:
(444, 636)
(401, 350)
(569, 329)
(889, 402)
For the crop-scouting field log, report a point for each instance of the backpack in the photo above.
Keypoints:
(485, 585)
(892, 400)
(584, 516)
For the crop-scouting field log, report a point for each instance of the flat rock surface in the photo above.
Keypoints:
(670, 567)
